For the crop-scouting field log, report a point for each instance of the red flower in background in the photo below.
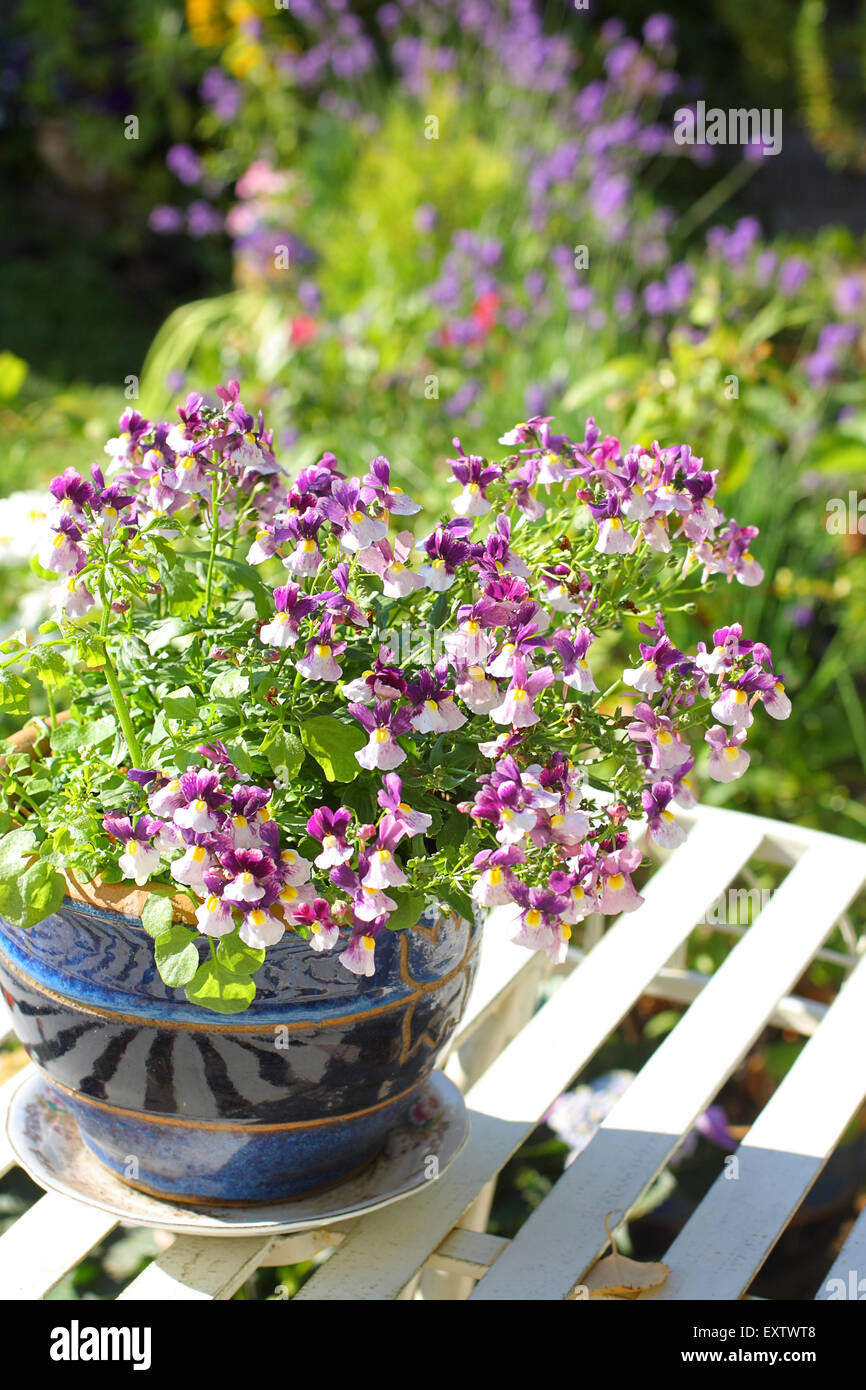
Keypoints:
(484, 310)
(302, 331)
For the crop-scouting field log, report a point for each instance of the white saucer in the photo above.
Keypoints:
(423, 1143)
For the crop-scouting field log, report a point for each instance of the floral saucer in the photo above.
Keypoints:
(428, 1137)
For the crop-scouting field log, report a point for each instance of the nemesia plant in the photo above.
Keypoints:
(313, 713)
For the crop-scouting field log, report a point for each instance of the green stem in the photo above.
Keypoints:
(52, 710)
(123, 713)
(214, 539)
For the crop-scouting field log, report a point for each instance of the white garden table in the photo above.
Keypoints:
(513, 1059)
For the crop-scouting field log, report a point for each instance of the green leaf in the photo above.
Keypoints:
(454, 831)
(409, 909)
(181, 704)
(284, 750)
(461, 904)
(230, 684)
(13, 694)
(220, 990)
(240, 959)
(49, 666)
(176, 956)
(165, 633)
(157, 916)
(15, 846)
(32, 896)
(334, 745)
(69, 735)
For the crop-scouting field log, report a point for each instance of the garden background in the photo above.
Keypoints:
(400, 222)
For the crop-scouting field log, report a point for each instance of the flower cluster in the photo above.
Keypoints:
(497, 729)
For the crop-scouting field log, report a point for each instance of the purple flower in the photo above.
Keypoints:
(618, 893)
(251, 873)
(390, 798)
(493, 886)
(292, 607)
(517, 707)
(666, 749)
(329, 828)
(662, 829)
(728, 760)
(475, 474)
(319, 662)
(184, 163)
(572, 650)
(377, 486)
(541, 926)
(203, 803)
(389, 562)
(347, 512)
(359, 955)
(384, 726)
(140, 857)
(446, 550)
(164, 220)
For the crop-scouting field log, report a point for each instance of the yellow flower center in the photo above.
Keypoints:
(132, 847)
(240, 822)
(616, 881)
(368, 942)
(257, 916)
(381, 735)
(323, 651)
(212, 903)
(495, 877)
(732, 754)
(357, 517)
(533, 917)
(198, 854)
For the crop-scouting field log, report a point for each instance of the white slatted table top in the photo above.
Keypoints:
(514, 1059)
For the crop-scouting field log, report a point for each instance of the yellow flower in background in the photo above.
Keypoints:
(239, 11)
(205, 22)
(241, 58)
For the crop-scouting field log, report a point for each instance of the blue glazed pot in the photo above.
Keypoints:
(290, 1097)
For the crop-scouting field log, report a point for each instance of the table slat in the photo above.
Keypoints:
(716, 1256)
(849, 1266)
(199, 1268)
(46, 1242)
(566, 1233)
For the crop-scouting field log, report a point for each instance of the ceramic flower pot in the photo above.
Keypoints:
(287, 1098)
